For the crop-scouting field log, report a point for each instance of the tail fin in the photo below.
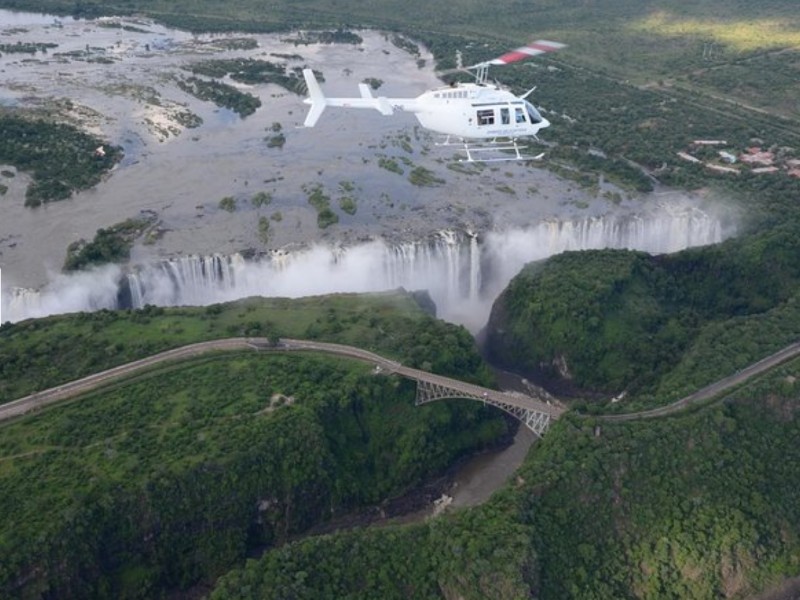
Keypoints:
(365, 93)
(315, 98)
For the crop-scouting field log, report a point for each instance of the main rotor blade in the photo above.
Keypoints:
(523, 52)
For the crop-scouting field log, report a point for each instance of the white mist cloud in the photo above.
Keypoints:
(462, 274)
(86, 290)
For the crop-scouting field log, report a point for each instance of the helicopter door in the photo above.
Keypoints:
(519, 115)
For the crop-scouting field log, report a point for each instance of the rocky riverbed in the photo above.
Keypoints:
(118, 78)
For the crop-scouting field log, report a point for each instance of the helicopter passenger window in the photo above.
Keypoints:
(505, 117)
(519, 115)
(486, 117)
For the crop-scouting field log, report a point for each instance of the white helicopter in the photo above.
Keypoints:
(468, 111)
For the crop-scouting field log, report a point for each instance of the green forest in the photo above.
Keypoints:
(278, 443)
(165, 481)
(703, 505)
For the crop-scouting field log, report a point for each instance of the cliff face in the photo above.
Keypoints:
(170, 478)
(577, 321)
(654, 327)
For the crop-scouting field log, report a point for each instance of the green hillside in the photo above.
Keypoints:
(697, 506)
(599, 323)
(166, 480)
(42, 353)
(700, 506)
(605, 322)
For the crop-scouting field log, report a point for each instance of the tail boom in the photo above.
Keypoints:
(319, 101)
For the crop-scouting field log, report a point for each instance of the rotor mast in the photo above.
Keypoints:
(481, 73)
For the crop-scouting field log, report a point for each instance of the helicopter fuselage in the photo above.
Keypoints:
(466, 110)
(477, 111)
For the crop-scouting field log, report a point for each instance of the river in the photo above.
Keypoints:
(118, 78)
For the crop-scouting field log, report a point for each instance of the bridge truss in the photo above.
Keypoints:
(536, 420)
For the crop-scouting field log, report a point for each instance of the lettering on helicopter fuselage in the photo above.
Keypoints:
(508, 132)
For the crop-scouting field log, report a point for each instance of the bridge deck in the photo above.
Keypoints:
(519, 405)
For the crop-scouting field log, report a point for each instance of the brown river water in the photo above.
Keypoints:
(131, 99)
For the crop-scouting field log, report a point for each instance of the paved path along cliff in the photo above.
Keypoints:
(714, 389)
(546, 404)
(72, 389)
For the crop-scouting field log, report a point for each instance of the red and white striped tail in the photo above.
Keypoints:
(532, 49)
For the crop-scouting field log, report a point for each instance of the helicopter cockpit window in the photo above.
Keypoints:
(533, 114)
(486, 117)
(505, 116)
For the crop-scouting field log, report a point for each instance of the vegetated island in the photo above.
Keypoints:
(60, 158)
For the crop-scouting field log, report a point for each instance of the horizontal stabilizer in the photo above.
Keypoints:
(384, 106)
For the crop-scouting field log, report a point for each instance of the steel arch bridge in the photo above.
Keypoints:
(534, 414)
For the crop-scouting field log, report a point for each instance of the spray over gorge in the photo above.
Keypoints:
(463, 272)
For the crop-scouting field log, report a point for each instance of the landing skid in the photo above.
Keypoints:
(492, 151)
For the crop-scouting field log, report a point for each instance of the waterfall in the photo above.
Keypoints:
(672, 230)
(462, 271)
(83, 291)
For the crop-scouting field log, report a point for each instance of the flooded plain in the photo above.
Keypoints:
(118, 78)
